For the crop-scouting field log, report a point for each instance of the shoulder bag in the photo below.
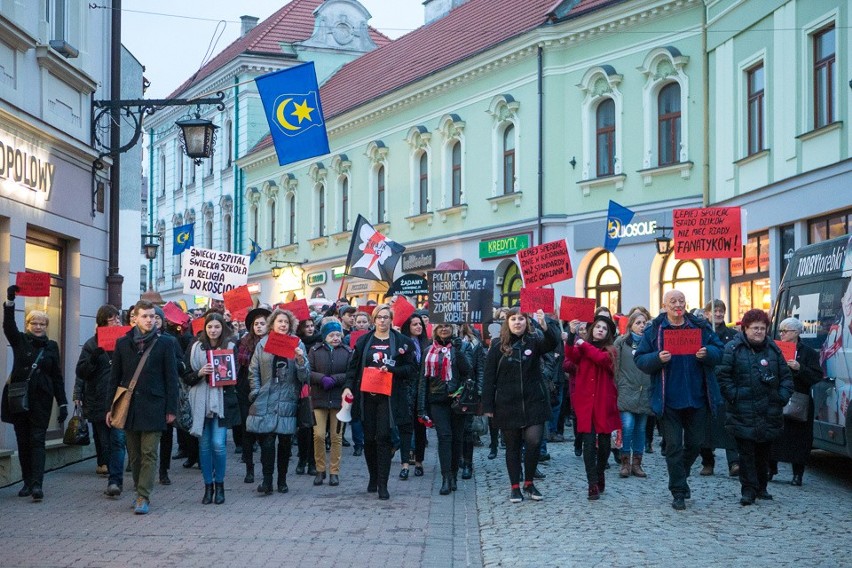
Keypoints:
(797, 407)
(121, 400)
(19, 392)
(77, 432)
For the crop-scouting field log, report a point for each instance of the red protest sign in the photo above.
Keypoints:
(788, 349)
(281, 344)
(109, 334)
(375, 381)
(707, 232)
(238, 299)
(299, 309)
(402, 310)
(367, 309)
(197, 325)
(174, 314)
(682, 341)
(545, 264)
(355, 335)
(534, 299)
(240, 315)
(33, 284)
(582, 309)
(224, 369)
(621, 322)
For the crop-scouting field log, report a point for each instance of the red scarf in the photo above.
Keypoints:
(438, 363)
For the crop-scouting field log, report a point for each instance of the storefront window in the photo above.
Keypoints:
(788, 245)
(510, 291)
(749, 295)
(603, 281)
(829, 227)
(750, 277)
(686, 276)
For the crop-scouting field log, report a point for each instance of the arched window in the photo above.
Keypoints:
(509, 159)
(226, 233)
(603, 281)
(423, 188)
(344, 204)
(380, 195)
(510, 290)
(456, 174)
(668, 124)
(605, 138)
(291, 213)
(273, 215)
(685, 275)
(321, 211)
(208, 233)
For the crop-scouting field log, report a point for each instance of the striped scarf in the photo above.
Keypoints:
(438, 363)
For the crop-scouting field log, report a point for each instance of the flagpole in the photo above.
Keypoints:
(340, 290)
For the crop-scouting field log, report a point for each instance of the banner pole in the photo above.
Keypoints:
(340, 290)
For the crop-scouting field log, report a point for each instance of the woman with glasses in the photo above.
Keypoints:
(794, 445)
(756, 383)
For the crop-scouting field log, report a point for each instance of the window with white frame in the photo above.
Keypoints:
(452, 131)
(227, 236)
(161, 258)
(344, 203)
(755, 107)
(380, 194)
(508, 160)
(377, 153)
(601, 122)
(255, 223)
(455, 174)
(824, 75)
(668, 124)
(208, 233)
(505, 136)
(272, 208)
(229, 143)
(423, 183)
(605, 138)
(179, 167)
(162, 171)
(665, 98)
(291, 218)
(419, 141)
(320, 197)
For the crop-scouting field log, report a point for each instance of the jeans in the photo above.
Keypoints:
(684, 430)
(100, 432)
(142, 452)
(754, 466)
(327, 417)
(212, 451)
(633, 433)
(357, 433)
(596, 449)
(450, 429)
(117, 451)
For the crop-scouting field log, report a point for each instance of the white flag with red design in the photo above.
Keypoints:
(372, 255)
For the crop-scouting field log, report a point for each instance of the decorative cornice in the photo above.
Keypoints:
(341, 164)
(58, 66)
(377, 152)
(317, 172)
(418, 137)
(16, 36)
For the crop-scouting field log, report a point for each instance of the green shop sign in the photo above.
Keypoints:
(506, 246)
(316, 278)
(337, 272)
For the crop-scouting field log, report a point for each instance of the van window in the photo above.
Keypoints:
(816, 305)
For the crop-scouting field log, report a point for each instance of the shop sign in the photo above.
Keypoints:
(358, 287)
(505, 246)
(254, 288)
(20, 165)
(316, 278)
(643, 229)
(337, 272)
(418, 260)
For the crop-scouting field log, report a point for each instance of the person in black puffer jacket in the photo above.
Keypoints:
(474, 350)
(756, 383)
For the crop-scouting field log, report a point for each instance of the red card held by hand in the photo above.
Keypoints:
(174, 314)
(682, 341)
(355, 335)
(582, 309)
(376, 381)
(367, 309)
(33, 284)
(197, 325)
(534, 299)
(237, 299)
(240, 315)
(788, 349)
(402, 310)
(109, 334)
(281, 344)
(299, 309)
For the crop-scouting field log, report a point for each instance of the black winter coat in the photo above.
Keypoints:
(94, 368)
(325, 360)
(156, 392)
(514, 389)
(794, 445)
(46, 383)
(756, 384)
(433, 389)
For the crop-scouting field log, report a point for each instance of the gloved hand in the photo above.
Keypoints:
(63, 413)
(457, 343)
(327, 382)
(11, 291)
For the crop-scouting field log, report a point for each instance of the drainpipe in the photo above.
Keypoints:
(151, 203)
(540, 145)
(237, 172)
(705, 87)
(114, 279)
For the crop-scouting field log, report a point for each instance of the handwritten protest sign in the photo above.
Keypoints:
(109, 334)
(33, 284)
(460, 296)
(707, 232)
(375, 381)
(582, 309)
(545, 264)
(281, 344)
(682, 341)
(211, 273)
(299, 309)
(197, 325)
(402, 310)
(534, 299)
(175, 315)
(788, 349)
(238, 299)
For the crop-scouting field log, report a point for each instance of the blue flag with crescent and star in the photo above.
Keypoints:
(184, 237)
(292, 107)
(255, 250)
(617, 217)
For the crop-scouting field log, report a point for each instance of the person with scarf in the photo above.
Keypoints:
(388, 351)
(595, 397)
(515, 396)
(634, 396)
(445, 370)
(214, 408)
(415, 330)
(35, 359)
(255, 331)
(309, 333)
(474, 351)
(276, 383)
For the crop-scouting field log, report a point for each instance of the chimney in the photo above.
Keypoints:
(249, 22)
(437, 9)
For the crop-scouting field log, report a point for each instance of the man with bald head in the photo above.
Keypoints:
(683, 388)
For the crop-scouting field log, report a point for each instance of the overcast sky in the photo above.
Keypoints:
(171, 37)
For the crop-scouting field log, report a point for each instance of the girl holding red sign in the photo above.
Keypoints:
(214, 409)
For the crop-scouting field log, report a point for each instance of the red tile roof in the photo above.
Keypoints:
(473, 27)
(293, 22)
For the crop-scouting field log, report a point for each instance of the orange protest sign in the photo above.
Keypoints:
(788, 349)
(582, 309)
(534, 299)
(299, 309)
(682, 341)
(109, 334)
(376, 381)
(238, 299)
(281, 344)
(33, 284)
(707, 232)
(545, 264)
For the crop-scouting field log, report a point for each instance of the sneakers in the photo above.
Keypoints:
(708, 470)
(102, 470)
(515, 496)
(678, 503)
(333, 480)
(418, 471)
(532, 493)
(358, 450)
(112, 490)
(403, 474)
(142, 506)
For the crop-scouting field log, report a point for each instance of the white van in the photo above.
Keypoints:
(816, 289)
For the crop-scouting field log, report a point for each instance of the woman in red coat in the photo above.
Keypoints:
(595, 397)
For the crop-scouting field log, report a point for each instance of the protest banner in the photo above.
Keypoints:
(238, 299)
(33, 284)
(682, 341)
(534, 299)
(211, 273)
(224, 367)
(281, 344)
(545, 264)
(461, 296)
(197, 325)
(402, 310)
(109, 334)
(376, 381)
(707, 232)
(788, 349)
(571, 308)
(175, 315)
(409, 285)
(299, 309)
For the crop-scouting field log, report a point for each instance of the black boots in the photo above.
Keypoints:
(37, 493)
(249, 478)
(454, 480)
(265, 486)
(445, 486)
(219, 497)
(383, 491)
(208, 494)
(467, 470)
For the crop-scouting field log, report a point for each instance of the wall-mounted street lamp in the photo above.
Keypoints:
(150, 246)
(278, 266)
(664, 242)
(198, 137)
